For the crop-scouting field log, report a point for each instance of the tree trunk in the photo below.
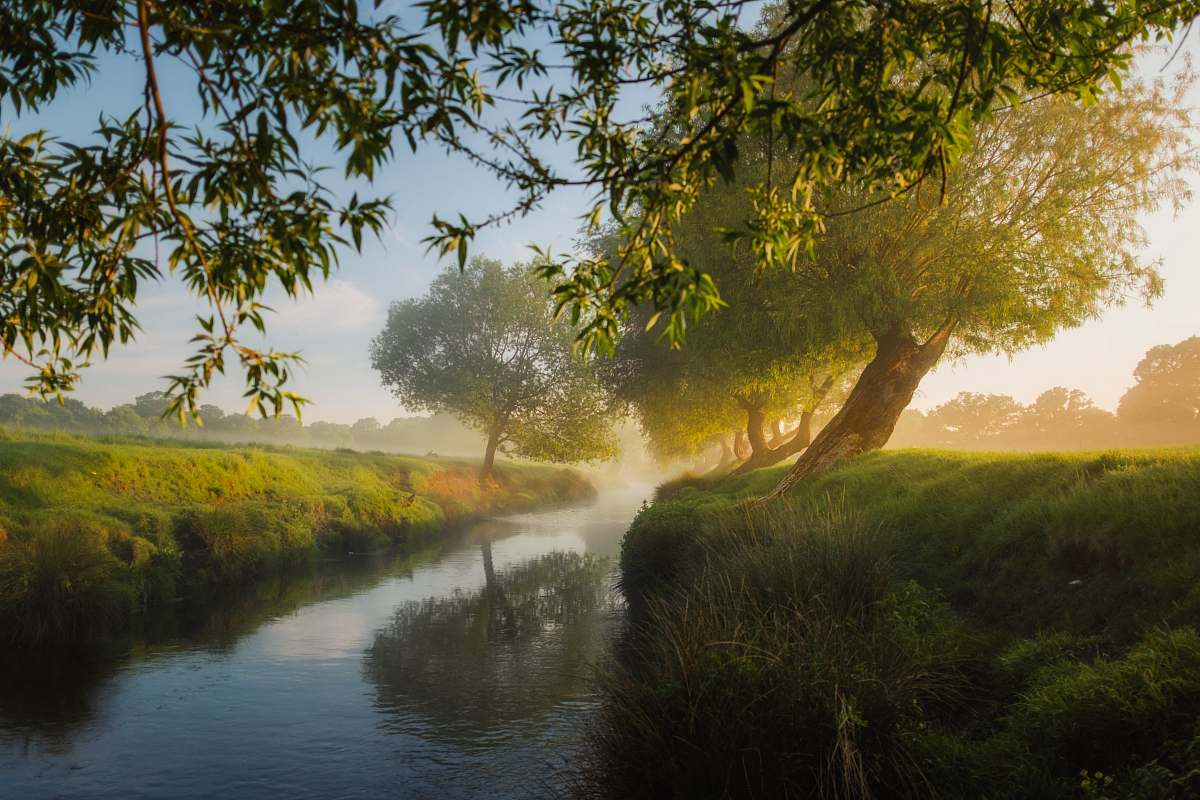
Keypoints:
(777, 432)
(727, 456)
(770, 456)
(493, 588)
(867, 418)
(755, 430)
(489, 455)
(741, 449)
(767, 456)
(803, 435)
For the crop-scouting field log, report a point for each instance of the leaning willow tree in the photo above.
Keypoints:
(204, 170)
(1037, 229)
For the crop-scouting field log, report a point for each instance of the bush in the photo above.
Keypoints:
(1102, 713)
(657, 545)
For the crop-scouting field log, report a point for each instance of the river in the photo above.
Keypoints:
(462, 673)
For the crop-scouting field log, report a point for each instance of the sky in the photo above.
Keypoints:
(333, 328)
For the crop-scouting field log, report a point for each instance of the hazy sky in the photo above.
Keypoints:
(333, 328)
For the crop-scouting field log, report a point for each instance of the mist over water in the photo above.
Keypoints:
(461, 675)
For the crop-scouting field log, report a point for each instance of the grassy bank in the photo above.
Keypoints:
(916, 624)
(92, 533)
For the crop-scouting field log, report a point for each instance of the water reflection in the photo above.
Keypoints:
(46, 698)
(458, 674)
(473, 662)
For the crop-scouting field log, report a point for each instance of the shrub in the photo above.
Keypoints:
(657, 545)
(1103, 712)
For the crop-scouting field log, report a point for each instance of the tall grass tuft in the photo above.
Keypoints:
(789, 663)
(60, 584)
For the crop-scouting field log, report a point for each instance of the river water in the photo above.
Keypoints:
(455, 674)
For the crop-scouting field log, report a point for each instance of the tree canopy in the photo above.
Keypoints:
(889, 95)
(744, 368)
(1036, 229)
(1167, 388)
(483, 344)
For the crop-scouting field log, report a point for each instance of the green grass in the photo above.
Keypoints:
(916, 623)
(91, 532)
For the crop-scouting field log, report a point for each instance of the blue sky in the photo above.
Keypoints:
(333, 328)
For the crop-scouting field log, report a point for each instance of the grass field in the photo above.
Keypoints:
(918, 624)
(92, 532)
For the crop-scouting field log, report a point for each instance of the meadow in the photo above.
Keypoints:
(94, 533)
(914, 624)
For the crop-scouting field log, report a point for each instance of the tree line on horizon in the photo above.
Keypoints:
(1162, 408)
(440, 434)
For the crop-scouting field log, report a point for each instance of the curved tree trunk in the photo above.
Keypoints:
(777, 432)
(865, 421)
(756, 422)
(773, 455)
(727, 457)
(488, 470)
(741, 448)
(765, 456)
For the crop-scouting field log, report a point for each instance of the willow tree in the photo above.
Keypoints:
(1036, 230)
(740, 375)
(484, 345)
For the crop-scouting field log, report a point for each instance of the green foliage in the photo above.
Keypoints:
(880, 94)
(484, 344)
(93, 532)
(1085, 712)
(876, 93)
(745, 359)
(1049, 601)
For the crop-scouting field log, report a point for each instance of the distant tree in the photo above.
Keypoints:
(1066, 419)
(973, 420)
(124, 419)
(241, 426)
(151, 405)
(283, 428)
(331, 434)
(484, 344)
(21, 411)
(1167, 388)
(911, 429)
(211, 416)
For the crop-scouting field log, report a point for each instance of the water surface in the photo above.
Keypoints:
(459, 674)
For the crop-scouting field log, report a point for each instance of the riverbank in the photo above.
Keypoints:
(915, 623)
(93, 533)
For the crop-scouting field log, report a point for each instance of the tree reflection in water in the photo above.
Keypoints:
(494, 659)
